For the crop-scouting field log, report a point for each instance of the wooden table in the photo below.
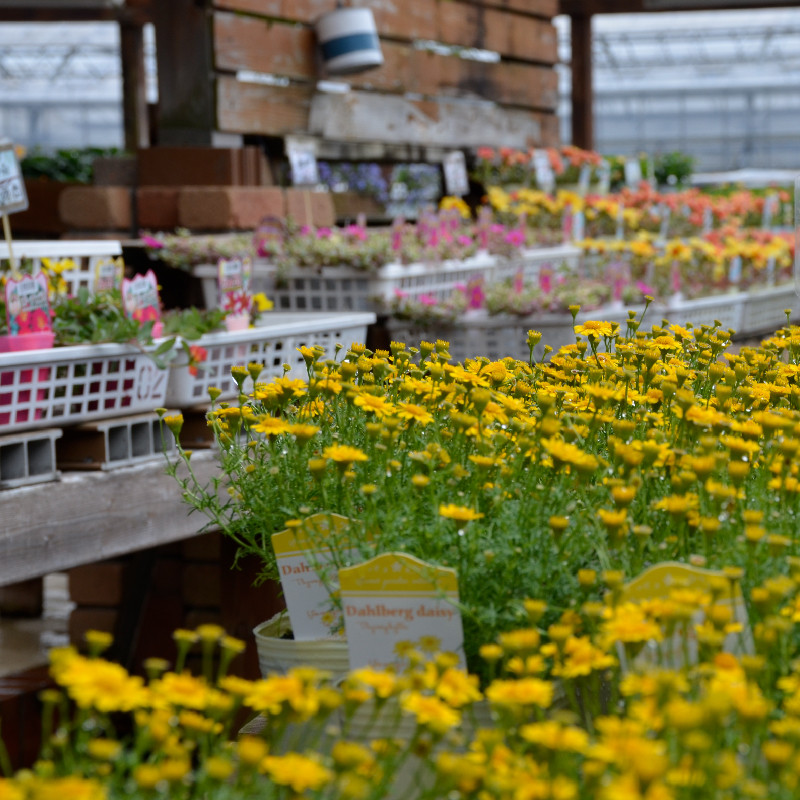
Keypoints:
(91, 516)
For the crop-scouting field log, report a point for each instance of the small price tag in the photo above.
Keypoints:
(108, 274)
(770, 209)
(395, 598)
(661, 582)
(604, 177)
(545, 177)
(455, 174)
(12, 186)
(140, 298)
(304, 556)
(584, 178)
(27, 307)
(302, 155)
(735, 270)
(666, 213)
(633, 173)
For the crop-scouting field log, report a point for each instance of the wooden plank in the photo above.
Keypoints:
(89, 517)
(391, 16)
(134, 88)
(260, 109)
(466, 25)
(247, 43)
(582, 90)
(365, 117)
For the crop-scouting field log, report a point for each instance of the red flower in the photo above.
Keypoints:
(197, 355)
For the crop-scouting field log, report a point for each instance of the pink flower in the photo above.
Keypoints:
(428, 300)
(154, 244)
(400, 294)
(324, 233)
(464, 240)
(546, 281)
(476, 296)
(516, 238)
(645, 289)
(356, 232)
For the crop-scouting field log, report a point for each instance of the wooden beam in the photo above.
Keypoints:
(185, 85)
(582, 92)
(74, 10)
(134, 87)
(89, 517)
(590, 7)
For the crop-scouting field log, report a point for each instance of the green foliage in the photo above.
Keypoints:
(192, 323)
(92, 319)
(69, 166)
(674, 168)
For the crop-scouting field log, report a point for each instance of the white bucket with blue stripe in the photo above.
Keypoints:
(348, 41)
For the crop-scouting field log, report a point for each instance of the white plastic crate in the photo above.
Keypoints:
(261, 280)
(57, 386)
(347, 289)
(503, 335)
(530, 262)
(724, 308)
(85, 254)
(763, 310)
(273, 344)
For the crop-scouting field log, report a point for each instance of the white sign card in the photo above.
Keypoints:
(140, 298)
(664, 581)
(12, 185)
(233, 277)
(396, 598)
(27, 307)
(302, 154)
(633, 173)
(108, 274)
(302, 553)
(543, 169)
(455, 174)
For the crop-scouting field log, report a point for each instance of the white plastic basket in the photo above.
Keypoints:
(501, 336)
(727, 309)
(85, 254)
(57, 386)
(763, 311)
(347, 289)
(530, 262)
(261, 280)
(273, 344)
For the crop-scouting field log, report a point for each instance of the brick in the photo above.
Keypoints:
(115, 171)
(201, 585)
(203, 166)
(157, 208)
(100, 584)
(230, 208)
(206, 547)
(22, 599)
(42, 215)
(310, 208)
(86, 619)
(96, 207)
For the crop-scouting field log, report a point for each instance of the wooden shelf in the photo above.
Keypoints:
(89, 517)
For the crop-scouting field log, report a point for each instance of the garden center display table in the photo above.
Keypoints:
(89, 517)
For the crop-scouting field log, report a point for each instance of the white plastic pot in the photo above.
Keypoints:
(348, 41)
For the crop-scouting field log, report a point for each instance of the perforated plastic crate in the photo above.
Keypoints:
(503, 335)
(530, 262)
(348, 289)
(763, 311)
(273, 344)
(724, 308)
(42, 388)
(85, 254)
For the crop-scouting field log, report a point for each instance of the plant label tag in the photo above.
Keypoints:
(27, 307)
(620, 221)
(13, 196)
(708, 219)
(233, 279)
(455, 174)
(396, 598)
(604, 177)
(107, 274)
(735, 270)
(578, 226)
(633, 173)
(682, 583)
(771, 271)
(302, 155)
(665, 218)
(307, 558)
(140, 298)
(770, 209)
(584, 178)
(543, 169)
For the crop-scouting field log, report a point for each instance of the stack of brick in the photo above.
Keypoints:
(203, 189)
